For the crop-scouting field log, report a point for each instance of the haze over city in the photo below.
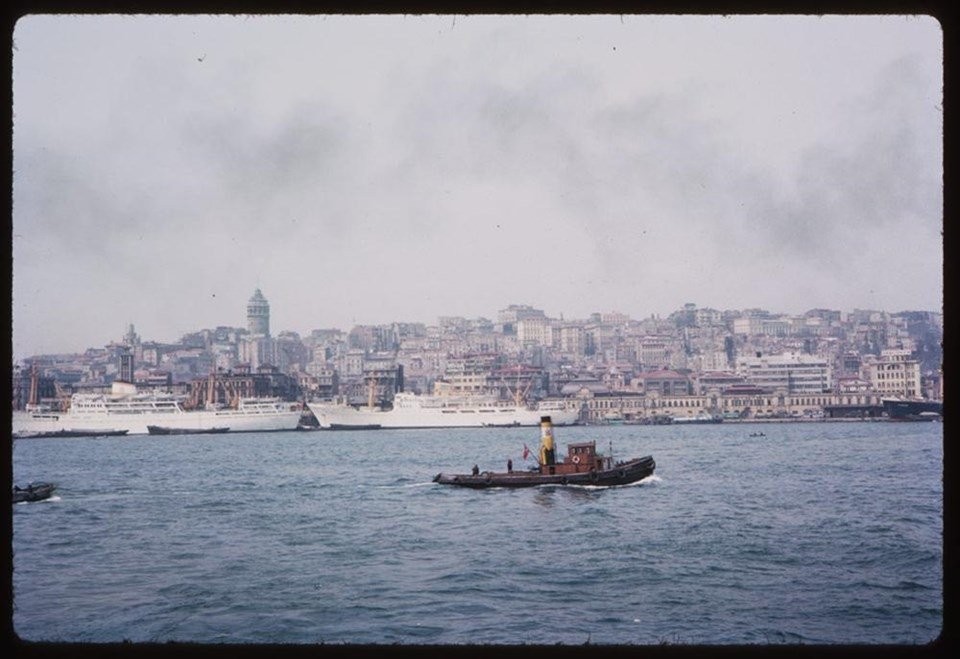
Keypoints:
(370, 169)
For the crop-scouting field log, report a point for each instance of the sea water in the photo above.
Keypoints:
(814, 533)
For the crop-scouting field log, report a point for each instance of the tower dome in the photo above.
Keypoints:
(258, 314)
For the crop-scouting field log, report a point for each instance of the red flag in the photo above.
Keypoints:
(526, 452)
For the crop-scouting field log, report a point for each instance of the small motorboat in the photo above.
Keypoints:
(36, 491)
(582, 466)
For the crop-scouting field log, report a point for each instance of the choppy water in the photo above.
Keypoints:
(817, 533)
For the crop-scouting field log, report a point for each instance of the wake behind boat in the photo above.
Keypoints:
(582, 466)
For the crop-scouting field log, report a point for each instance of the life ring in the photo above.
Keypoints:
(487, 478)
(576, 459)
(622, 473)
(563, 481)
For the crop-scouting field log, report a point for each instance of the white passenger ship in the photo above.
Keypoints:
(124, 408)
(447, 411)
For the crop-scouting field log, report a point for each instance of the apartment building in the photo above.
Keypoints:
(794, 373)
(893, 373)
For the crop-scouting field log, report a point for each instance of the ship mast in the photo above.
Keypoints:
(518, 396)
(212, 388)
(34, 387)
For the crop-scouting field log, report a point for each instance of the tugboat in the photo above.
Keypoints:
(582, 466)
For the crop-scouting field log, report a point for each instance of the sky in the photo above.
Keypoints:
(372, 169)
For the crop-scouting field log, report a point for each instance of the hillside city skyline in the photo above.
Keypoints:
(737, 363)
(439, 318)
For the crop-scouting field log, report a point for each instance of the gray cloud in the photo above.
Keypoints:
(370, 169)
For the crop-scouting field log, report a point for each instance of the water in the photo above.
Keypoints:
(817, 533)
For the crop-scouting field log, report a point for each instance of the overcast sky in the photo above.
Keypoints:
(370, 169)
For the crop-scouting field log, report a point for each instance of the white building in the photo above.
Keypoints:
(535, 331)
(894, 373)
(795, 373)
(571, 339)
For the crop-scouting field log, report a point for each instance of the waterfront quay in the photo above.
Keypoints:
(756, 406)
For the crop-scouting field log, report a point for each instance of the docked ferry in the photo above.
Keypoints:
(898, 409)
(446, 411)
(126, 409)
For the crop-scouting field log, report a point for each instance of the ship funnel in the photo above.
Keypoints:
(547, 451)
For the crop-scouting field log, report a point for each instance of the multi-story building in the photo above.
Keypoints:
(468, 375)
(571, 339)
(508, 318)
(894, 373)
(535, 331)
(792, 372)
(665, 382)
(654, 351)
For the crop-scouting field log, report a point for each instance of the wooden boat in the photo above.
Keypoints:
(581, 466)
(162, 430)
(36, 491)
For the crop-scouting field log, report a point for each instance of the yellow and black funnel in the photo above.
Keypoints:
(547, 452)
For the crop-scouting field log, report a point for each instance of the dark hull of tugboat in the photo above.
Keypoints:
(33, 492)
(161, 430)
(621, 474)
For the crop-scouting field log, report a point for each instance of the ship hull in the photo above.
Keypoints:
(622, 474)
(25, 423)
(160, 430)
(696, 420)
(912, 410)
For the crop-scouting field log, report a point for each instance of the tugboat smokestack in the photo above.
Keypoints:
(547, 451)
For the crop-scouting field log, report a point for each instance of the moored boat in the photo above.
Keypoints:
(129, 410)
(702, 417)
(161, 430)
(36, 491)
(912, 410)
(443, 411)
(69, 432)
(581, 466)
